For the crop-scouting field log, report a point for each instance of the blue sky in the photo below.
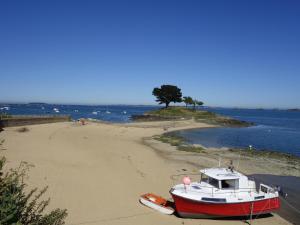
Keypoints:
(225, 53)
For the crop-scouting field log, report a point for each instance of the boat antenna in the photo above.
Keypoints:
(219, 161)
(231, 167)
(237, 167)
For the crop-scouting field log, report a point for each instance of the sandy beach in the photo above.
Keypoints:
(99, 170)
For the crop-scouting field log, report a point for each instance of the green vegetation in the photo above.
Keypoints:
(198, 103)
(167, 94)
(188, 101)
(173, 140)
(191, 148)
(177, 113)
(267, 154)
(5, 116)
(21, 208)
(179, 142)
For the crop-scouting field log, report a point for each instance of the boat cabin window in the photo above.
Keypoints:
(204, 178)
(264, 188)
(229, 184)
(210, 180)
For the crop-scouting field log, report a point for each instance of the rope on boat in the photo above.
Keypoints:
(111, 219)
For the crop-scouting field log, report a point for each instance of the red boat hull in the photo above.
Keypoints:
(190, 208)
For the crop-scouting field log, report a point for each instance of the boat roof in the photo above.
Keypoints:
(222, 173)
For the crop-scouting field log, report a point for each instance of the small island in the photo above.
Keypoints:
(170, 93)
(182, 113)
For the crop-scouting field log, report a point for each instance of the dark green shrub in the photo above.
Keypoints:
(21, 208)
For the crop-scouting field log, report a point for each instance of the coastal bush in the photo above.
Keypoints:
(24, 208)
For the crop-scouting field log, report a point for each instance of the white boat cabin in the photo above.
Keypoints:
(224, 185)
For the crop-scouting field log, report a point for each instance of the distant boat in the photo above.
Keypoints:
(56, 110)
(5, 108)
(95, 113)
(108, 112)
(76, 110)
(124, 112)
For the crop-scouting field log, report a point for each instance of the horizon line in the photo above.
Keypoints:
(145, 104)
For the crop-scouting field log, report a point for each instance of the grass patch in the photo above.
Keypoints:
(178, 142)
(173, 111)
(170, 139)
(5, 116)
(191, 148)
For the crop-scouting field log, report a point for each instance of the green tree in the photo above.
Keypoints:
(167, 94)
(198, 103)
(21, 208)
(187, 100)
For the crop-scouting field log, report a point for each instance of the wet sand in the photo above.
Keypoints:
(290, 206)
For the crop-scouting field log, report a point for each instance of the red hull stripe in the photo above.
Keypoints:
(187, 206)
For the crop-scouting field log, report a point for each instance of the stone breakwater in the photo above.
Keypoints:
(14, 121)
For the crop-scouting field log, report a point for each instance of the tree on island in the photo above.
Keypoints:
(198, 103)
(167, 94)
(188, 101)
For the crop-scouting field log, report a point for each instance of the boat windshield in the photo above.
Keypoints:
(230, 184)
(209, 180)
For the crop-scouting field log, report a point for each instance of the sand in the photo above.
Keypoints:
(99, 170)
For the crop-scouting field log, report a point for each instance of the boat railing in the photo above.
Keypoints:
(213, 191)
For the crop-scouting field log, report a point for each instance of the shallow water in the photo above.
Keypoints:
(277, 130)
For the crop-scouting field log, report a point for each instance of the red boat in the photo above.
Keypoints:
(223, 192)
